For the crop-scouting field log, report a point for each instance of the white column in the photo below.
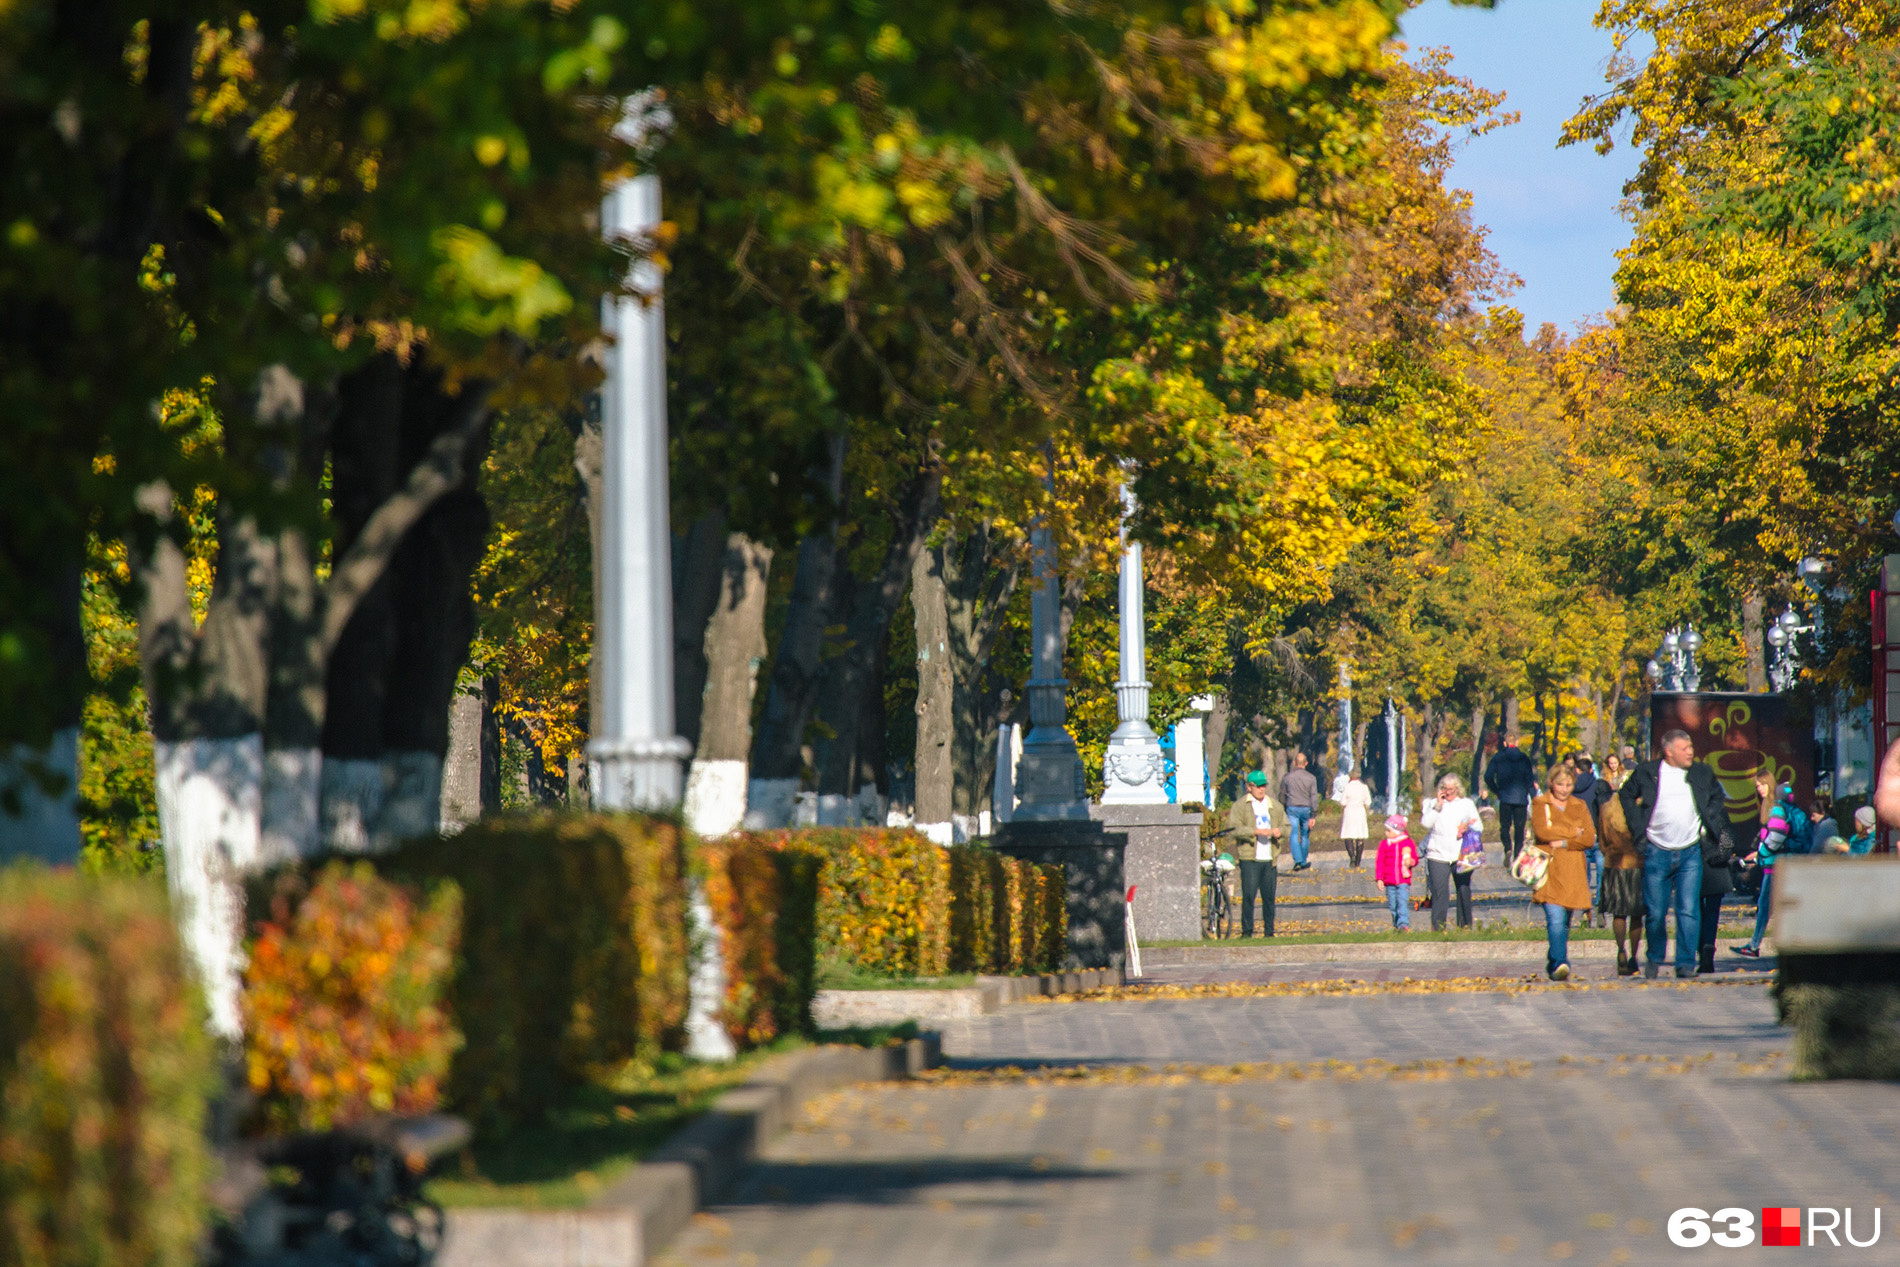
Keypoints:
(1391, 759)
(1133, 770)
(1003, 786)
(636, 753)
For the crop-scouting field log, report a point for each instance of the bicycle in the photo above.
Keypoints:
(1217, 909)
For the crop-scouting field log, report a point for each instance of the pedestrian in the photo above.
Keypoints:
(1862, 841)
(1676, 808)
(1592, 791)
(1254, 823)
(1785, 830)
(1446, 818)
(1513, 781)
(1622, 895)
(1299, 793)
(1356, 797)
(1560, 824)
(1393, 868)
(1821, 814)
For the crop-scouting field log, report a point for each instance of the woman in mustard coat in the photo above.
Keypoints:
(1560, 823)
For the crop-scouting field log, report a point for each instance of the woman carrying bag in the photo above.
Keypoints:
(1560, 826)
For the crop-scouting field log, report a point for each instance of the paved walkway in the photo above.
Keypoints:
(1550, 1124)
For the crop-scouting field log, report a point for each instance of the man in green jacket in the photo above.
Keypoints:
(1255, 822)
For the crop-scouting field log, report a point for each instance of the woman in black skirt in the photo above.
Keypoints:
(1622, 895)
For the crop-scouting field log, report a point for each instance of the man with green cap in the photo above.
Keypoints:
(1255, 823)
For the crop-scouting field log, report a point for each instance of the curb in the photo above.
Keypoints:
(1531, 950)
(841, 1009)
(639, 1214)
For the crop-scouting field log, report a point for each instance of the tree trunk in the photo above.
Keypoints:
(1478, 719)
(697, 577)
(936, 695)
(778, 749)
(1215, 742)
(1426, 757)
(978, 589)
(391, 673)
(1753, 644)
(39, 782)
(734, 648)
(853, 679)
(1510, 714)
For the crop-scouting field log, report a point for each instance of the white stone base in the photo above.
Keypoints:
(210, 811)
(715, 797)
(942, 833)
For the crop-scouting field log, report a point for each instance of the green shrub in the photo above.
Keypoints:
(764, 900)
(974, 876)
(344, 1014)
(883, 897)
(1007, 915)
(573, 951)
(105, 1069)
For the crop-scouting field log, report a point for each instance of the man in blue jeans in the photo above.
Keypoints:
(1299, 796)
(1675, 808)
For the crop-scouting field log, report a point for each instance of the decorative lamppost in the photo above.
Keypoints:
(1133, 770)
(1049, 775)
(1673, 668)
(636, 751)
(1784, 657)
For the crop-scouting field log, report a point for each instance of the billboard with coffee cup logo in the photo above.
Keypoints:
(1741, 736)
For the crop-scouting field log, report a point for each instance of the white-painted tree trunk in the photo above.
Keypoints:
(770, 803)
(706, 1037)
(293, 795)
(47, 825)
(352, 803)
(412, 799)
(210, 810)
(715, 797)
(372, 806)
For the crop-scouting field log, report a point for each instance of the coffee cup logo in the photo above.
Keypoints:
(1736, 770)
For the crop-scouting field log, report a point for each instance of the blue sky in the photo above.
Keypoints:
(1551, 213)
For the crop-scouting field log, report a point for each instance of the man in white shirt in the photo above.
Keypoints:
(1674, 806)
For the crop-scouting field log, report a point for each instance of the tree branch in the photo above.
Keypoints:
(362, 565)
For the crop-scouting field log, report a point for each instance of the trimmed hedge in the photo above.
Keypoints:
(1007, 915)
(573, 951)
(883, 897)
(343, 995)
(765, 902)
(105, 1069)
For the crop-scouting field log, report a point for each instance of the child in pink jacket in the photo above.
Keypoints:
(1397, 856)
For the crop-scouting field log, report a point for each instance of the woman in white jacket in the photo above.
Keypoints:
(1446, 818)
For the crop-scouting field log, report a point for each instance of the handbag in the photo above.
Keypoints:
(1470, 853)
(1531, 865)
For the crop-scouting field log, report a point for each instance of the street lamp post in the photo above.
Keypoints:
(1674, 668)
(1784, 657)
(1133, 769)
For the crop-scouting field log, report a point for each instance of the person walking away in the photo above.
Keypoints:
(1560, 823)
(1513, 782)
(1356, 797)
(1591, 790)
(1622, 896)
(1299, 793)
(1675, 807)
(1446, 818)
(1392, 867)
(1784, 830)
(1254, 822)
(1862, 841)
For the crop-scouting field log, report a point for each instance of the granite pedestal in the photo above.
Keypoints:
(1162, 858)
(1092, 861)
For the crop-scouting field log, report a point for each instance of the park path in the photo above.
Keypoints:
(1542, 1124)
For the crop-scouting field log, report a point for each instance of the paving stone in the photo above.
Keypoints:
(1557, 1144)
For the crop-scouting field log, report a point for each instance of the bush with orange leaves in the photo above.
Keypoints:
(344, 1007)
